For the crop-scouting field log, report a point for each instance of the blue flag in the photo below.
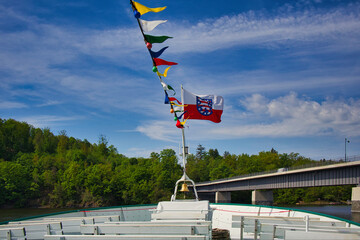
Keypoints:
(157, 54)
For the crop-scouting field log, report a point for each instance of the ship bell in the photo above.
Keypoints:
(184, 188)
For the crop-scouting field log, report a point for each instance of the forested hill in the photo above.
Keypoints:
(39, 168)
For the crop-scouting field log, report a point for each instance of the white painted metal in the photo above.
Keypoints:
(271, 223)
(12, 233)
(116, 237)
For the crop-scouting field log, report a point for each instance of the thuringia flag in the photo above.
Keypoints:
(202, 107)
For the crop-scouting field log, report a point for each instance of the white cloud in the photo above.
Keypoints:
(159, 130)
(255, 103)
(289, 28)
(43, 121)
(294, 116)
(286, 116)
(11, 105)
(54, 57)
(49, 103)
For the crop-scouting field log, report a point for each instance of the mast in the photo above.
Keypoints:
(185, 177)
(183, 134)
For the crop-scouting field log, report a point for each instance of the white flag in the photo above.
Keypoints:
(148, 26)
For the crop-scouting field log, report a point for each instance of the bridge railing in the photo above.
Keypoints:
(316, 163)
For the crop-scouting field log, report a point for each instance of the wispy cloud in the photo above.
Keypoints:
(49, 103)
(286, 28)
(46, 54)
(11, 105)
(308, 50)
(43, 121)
(159, 130)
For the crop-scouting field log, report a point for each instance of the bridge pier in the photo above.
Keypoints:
(223, 197)
(262, 197)
(355, 199)
(210, 196)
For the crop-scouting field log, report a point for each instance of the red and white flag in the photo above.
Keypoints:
(202, 107)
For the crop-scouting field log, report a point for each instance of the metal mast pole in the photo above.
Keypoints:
(184, 177)
(183, 133)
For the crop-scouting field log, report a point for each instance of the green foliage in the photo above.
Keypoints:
(14, 138)
(15, 182)
(44, 140)
(40, 168)
(288, 196)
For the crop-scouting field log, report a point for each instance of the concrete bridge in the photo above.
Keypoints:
(337, 174)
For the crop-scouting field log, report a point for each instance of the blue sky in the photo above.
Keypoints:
(289, 72)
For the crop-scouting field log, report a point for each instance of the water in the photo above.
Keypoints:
(17, 213)
(342, 211)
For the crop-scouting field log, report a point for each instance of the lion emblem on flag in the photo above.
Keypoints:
(204, 106)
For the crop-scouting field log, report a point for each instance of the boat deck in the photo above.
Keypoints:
(172, 221)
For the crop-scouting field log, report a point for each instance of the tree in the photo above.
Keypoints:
(16, 183)
(102, 145)
(14, 138)
(214, 153)
(226, 153)
(37, 167)
(62, 142)
(97, 182)
(72, 184)
(200, 152)
(222, 171)
(44, 140)
(273, 151)
(269, 160)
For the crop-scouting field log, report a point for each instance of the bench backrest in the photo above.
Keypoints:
(120, 237)
(181, 210)
(146, 229)
(11, 233)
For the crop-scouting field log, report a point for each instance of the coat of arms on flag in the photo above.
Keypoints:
(202, 107)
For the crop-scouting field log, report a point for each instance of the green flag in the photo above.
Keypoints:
(155, 39)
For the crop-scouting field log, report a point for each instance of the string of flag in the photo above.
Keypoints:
(148, 26)
(203, 107)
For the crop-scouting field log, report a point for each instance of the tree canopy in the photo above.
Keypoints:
(39, 168)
